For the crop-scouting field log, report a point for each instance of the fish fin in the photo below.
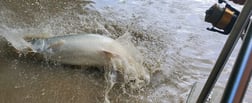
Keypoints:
(109, 54)
(56, 44)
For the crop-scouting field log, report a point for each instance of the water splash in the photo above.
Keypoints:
(110, 77)
(131, 77)
(126, 68)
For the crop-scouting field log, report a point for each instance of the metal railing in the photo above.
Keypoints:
(241, 73)
(238, 78)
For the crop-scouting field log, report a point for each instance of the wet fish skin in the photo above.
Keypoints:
(89, 49)
(93, 50)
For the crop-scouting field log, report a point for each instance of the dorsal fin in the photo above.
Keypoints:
(109, 54)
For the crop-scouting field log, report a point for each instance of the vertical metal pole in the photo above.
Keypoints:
(241, 73)
(226, 52)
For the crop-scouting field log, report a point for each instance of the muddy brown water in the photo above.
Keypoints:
(170, 34)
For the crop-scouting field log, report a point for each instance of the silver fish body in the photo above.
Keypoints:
(89, 49)
(94, 50)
